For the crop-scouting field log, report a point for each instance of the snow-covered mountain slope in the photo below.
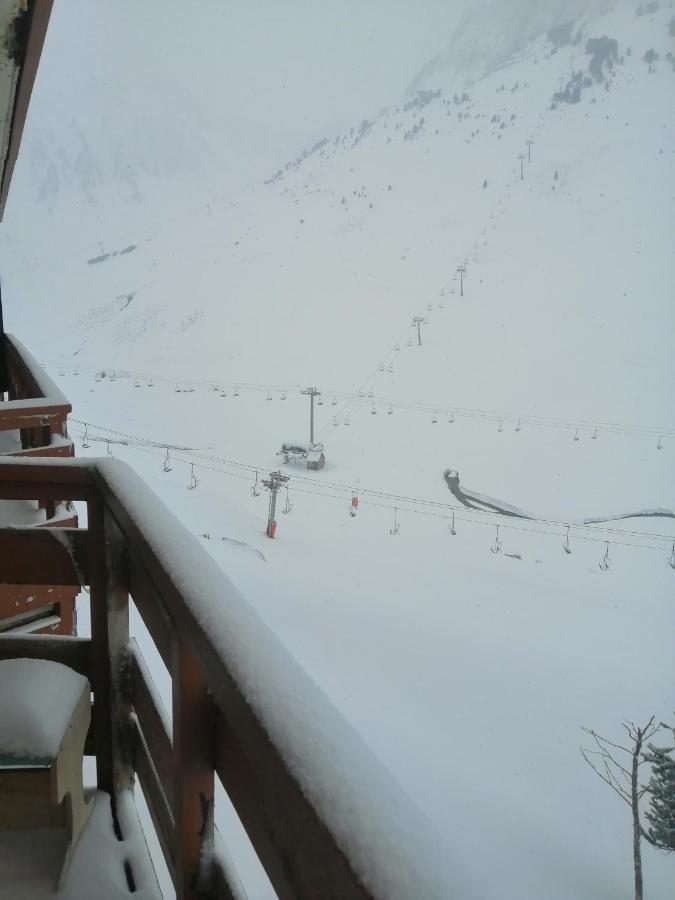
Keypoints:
(480, 665)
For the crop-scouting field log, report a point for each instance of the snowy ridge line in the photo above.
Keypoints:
(435, 509)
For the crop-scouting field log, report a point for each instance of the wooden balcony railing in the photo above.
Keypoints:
(36, 408)
(324, 817)
(33, 414)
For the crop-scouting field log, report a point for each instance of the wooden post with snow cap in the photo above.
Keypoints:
(109, 600)
(193, 766)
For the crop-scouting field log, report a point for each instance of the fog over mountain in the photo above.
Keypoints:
(140, 101)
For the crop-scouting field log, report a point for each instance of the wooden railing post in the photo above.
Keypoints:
(109, 600)
(193, 765)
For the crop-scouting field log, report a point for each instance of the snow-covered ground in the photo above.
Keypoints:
(468, 672)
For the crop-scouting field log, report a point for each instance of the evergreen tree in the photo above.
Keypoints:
(661, 813)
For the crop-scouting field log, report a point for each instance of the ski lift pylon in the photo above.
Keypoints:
(166, 465)
(396, 528)
(85, 442)
(605, 562)
(451, 526)
(566, 543)
(497, 546)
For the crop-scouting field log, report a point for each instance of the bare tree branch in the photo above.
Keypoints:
(623, 780)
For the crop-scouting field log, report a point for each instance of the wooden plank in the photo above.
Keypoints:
(52, 450)
(296, 848)
(150, 607)
(193, 758)
(38, 556)
(38, 29)
(26, 802)
(18, 414)
(158, 805)
(70, 651)
(153, 722)
(109, 602)
(31, 481)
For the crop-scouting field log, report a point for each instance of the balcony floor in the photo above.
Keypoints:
(30, 862)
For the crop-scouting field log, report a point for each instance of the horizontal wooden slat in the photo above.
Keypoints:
(28, 480)
(31, 618)
(38, 556)
(152, 717)
(65, 451)
(28, 414)
(158, 805)
(70, 651)
(150, 607)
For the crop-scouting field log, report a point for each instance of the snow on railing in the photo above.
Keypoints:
(323, 814)
(42, 387)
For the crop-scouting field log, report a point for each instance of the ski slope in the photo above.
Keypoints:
(549, 383)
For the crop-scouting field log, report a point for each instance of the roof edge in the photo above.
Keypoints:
(40, 12)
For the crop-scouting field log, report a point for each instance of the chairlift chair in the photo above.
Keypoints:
(193, 478)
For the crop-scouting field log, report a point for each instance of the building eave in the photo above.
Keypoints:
(19, 73)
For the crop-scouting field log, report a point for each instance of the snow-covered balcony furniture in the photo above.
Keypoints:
(45, 710)
(322, 814)
(33, 422)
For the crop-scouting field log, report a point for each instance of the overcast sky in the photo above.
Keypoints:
(290, 67)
